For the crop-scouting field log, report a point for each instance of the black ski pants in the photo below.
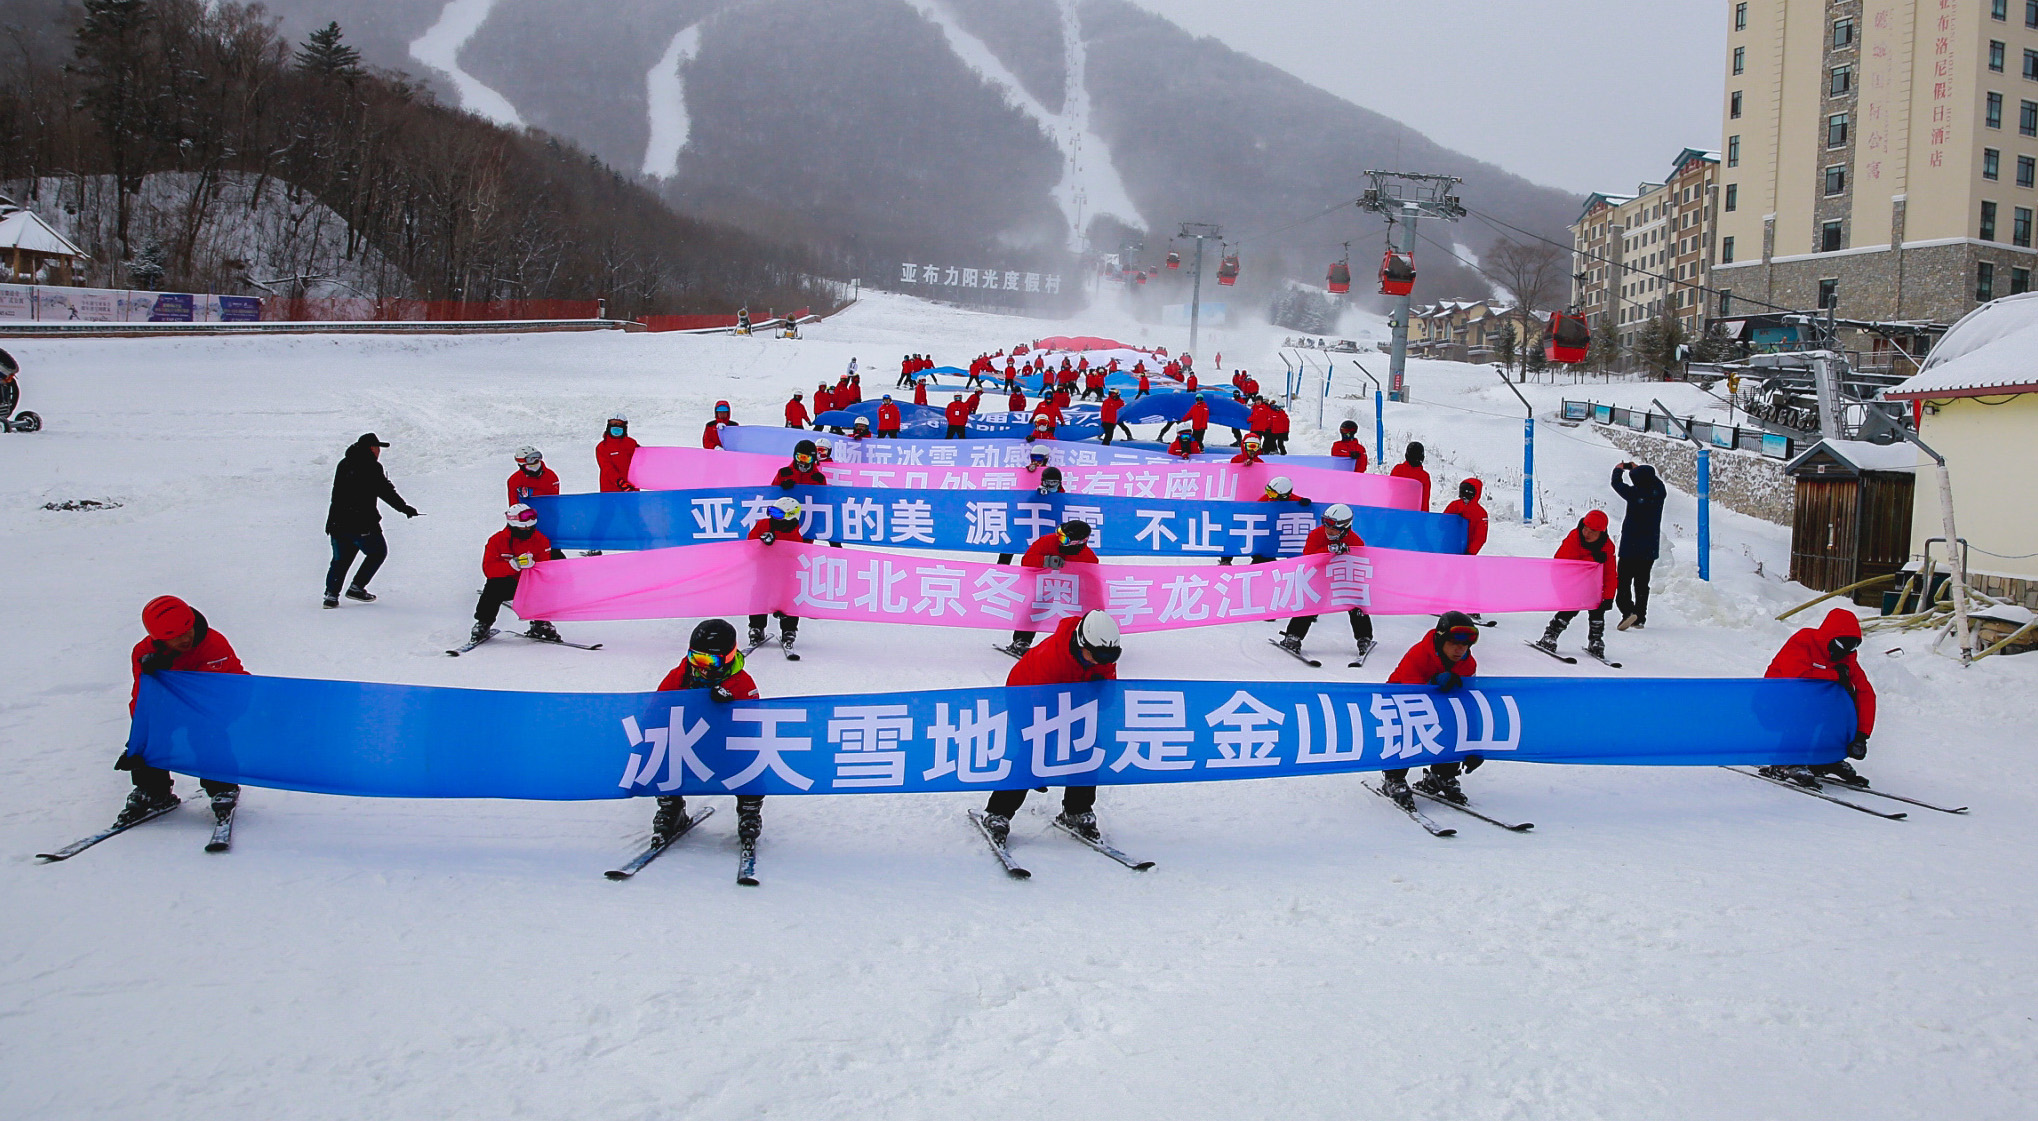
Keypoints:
(788, 625)
(498, 591)
(347, 546)
(1362, 624)
(1074, 800)
(1633, 596)
(1441, 770)
(956, 432)
(156, 782)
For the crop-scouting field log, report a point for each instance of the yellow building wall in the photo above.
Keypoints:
(1992, 452)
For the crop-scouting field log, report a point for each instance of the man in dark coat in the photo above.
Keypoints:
(354, 523)
(1641, 534)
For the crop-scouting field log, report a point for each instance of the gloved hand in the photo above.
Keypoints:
(1606, 605)
(1473, 763)
(721, 695)
(767, 537)
(523, 561)
(633, 486)
(1339, 548)
(1305, 503)
(1054, 562)
(127, 761)
(1446, 681)
(157, 659)
(410, 511)
(1857, 748)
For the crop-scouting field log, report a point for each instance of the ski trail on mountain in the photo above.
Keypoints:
(1089, 185)
(439, 48)
(665, 96)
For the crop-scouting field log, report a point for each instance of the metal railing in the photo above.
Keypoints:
(1730, 437)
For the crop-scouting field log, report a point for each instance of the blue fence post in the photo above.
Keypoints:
(1528, 470)
(1379, 425)
(1704, 512)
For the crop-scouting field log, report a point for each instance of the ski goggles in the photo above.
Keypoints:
(804, 462)
(1847, 645)
(1463, 636)
(717, 663)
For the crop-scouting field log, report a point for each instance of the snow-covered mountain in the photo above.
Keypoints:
(903, 127)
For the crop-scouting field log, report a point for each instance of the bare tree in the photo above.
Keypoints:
(1532, 276)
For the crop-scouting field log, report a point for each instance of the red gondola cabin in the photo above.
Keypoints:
(1397, 274)
(1174, 259)
(1340, 279)
(1568, 339)
(1227, 273)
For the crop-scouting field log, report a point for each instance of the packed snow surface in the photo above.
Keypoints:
(1667, 944)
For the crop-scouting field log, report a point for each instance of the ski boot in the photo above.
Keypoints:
(756, 638)
(1018, 649)
(999, 827)
(331, 602)
(1801, 776)
(1841, 772)
(141, 804)
(1442, 786)
(223, 803)
(1548, 643)
(357, 592)
(670, 818)
(1596, 647)
(479, 633)
(749, 819)
(1292, 643)
(542, 631)
(1595, 637)
(1083, 825)
(786, 640)
(1397, 789)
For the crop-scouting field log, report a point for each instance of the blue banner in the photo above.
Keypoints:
(977, 521)
(992, 452)
(409, 741)
(925, 422)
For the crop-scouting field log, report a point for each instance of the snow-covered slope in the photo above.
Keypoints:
(1666, 944)
(439, 48)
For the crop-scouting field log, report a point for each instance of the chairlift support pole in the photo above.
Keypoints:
(1955, 558)
(1401, 198)
(1704, 493)
(1202, 232)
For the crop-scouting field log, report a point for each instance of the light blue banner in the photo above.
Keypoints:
(408, 741)
(973, 452)
(977, 521)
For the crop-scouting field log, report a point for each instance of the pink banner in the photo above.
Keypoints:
(817, 582)
(699, 468)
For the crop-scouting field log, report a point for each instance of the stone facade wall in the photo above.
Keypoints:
(1933, 282)
(1742, 481)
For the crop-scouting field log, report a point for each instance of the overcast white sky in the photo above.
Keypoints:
(1581, 94)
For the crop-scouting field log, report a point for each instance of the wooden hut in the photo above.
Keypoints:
(1853, 516)
(28, 246)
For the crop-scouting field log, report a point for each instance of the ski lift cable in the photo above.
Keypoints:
(1332, 208)
(1497, 225)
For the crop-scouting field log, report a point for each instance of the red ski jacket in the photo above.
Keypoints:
(796, 413)
(1474, 515)
(1054, 662)
(612, 458)
(780, 531)
(738, 684)
(1108, 411)
(1809, 654)
(1036, 553)
(1319, 540)
(523, 484)
(1424, 661)
(501, 548)
(1411, 471)
(212, 653)
(711, 436)
(1575, 548)
(1352, 450)
(790, 476)
(957, 412)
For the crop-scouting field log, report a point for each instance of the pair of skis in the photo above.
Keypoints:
(1818, 790)
(471, 643)
(746, 856)
(1568, 659)
(1003, 851)
(754, 647)
(221, 840)
(1295, 652)
(1429, 824)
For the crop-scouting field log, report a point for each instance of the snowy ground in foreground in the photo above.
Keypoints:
(1666, 944)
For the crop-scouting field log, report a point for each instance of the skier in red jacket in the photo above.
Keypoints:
(796, 412)
(781, 523)
(1017, 402)
(711, 436)
(178, 639)
(712, 662)
(1334, 536)
(804, 470)
(531, 478)
(518, 545)
(1108, 413)
(1185, 445)
(1589, 541)
(1348, 445)
(1443, 661)
(1829, 653)
(888, 419)
(1082, 649)
(956, 412)
(1410, 467)
(1466, 506)
(1277, 431)
(1145, 383)
(612, 456)
(1249, 452)
(920, 392)
(1053, 551)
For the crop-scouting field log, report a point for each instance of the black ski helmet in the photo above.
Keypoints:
(713, 636)
(8, 366)
(1415, 452)
(1454, 621)
(804, 447)
(1349, 428)
(1050, 475)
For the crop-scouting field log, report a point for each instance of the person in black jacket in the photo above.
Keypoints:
(1640, 539)
(353, 522)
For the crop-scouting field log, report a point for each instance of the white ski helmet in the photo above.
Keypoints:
(618, 414)
(1098, 633)
(529, 454)
(788, 508)
(1281, 485)
(1339, 515)
(521, 516)
(1252, 440)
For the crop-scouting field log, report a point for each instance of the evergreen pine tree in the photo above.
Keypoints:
(324, 54)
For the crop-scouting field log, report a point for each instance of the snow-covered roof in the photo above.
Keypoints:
(23, 230)
(1993, 349)
(1863, 456)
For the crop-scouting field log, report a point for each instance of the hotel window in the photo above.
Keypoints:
(1733, 151)
(1840, 81)
(1991, 164)
(1740, 60)
(1843, 33)
(1836, 179)
(2027, 118)
(1830, 236)
(2027, 170)
(1984, 282)
(2031, 13)
(1726, 251)
(2020, 281)
(1995, 56)
(1836, 131)
(1741, 16)
(1992, 116)
(2031, 65)
(1999, 9)
(1988, 221)
(1726, 301)
(2020, 227)
(1829, 293)
(1734, 106)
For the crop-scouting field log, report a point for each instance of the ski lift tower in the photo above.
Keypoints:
(1401, 198)
(1202, 232)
